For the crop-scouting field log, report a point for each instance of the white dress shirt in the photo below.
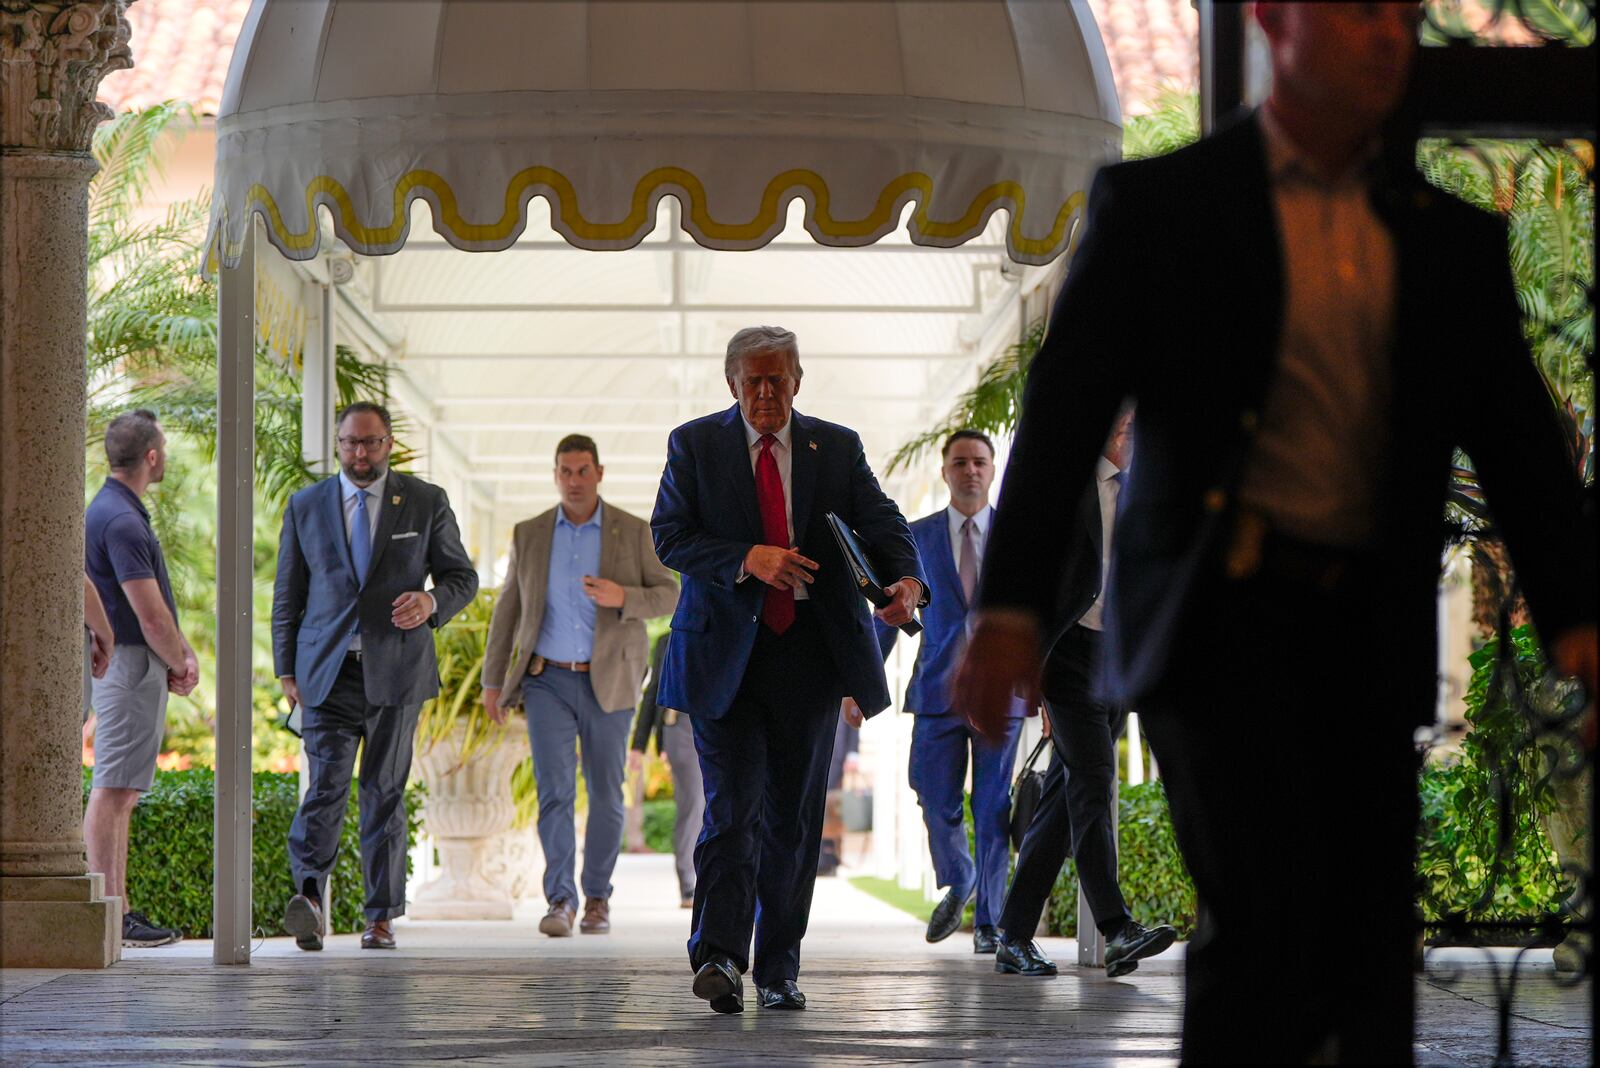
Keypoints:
(374, 502)
(1105, 475)
(1324, 427)
(783, 455)
(980, 533)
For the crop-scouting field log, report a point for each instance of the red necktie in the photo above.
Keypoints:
(778, 610)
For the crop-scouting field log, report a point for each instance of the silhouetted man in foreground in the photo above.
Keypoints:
(1331, 328)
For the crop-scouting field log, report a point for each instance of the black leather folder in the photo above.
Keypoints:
(858, 557)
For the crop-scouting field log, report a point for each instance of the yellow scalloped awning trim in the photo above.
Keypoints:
(571, 220)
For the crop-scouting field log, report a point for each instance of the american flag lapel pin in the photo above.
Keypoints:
(813, 445)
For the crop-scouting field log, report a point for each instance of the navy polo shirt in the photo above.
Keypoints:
(120, 545)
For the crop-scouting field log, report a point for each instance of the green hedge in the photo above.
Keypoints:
(170, 852)
(1151, 872)
(659, 816)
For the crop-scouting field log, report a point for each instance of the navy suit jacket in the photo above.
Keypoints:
(706, 519)
(943, 622)
(1199, 373)
(317, 603)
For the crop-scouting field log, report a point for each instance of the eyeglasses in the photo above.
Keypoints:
(369, 444)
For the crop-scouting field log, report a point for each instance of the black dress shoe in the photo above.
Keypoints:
(946, 919)
(985, 939)
(302, 917)
(1022, 957)
(781, 995)
(1126, 948)
(718, 982)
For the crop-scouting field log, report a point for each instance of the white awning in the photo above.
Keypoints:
(960, 107)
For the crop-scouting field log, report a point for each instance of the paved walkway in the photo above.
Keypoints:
(500, 994)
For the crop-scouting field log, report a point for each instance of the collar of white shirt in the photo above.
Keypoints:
(346, 487)
(980, 522)
(1106, 470)
(752, 435)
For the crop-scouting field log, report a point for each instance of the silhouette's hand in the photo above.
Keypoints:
(291, 689)
(1002, 659)
(491, 704)
(852, 712)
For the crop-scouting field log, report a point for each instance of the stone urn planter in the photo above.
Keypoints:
(467, 812)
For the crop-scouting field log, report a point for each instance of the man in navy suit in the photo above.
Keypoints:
(770, 635)
(951, 543)
(352, 644)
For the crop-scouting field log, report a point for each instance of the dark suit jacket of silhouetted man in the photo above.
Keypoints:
(763, 706)
(1281, 677)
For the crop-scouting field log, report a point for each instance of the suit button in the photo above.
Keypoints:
(754, 618)
(1215, 500)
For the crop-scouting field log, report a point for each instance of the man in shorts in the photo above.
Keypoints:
(151, 657)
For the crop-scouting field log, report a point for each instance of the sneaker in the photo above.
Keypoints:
(138, 931)
(557, 923)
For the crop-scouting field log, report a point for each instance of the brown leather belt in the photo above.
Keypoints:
(539, 663)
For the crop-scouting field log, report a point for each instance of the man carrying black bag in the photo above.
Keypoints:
(1074, 812)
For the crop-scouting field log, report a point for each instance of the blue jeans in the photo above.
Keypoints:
(565, 724)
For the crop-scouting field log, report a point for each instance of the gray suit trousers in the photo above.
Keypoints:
(689, 795)
(332, 732)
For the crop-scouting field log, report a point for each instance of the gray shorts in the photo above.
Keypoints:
(131, 705)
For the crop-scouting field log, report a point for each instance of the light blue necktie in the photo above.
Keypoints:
(361, 537)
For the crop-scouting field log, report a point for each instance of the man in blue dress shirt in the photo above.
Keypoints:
(568, 644)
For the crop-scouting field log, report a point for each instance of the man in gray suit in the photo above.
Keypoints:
(568, 642)
(352, 641)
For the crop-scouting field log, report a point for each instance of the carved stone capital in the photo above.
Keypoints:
(53, 54)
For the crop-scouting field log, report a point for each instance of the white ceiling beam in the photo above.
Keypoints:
(668, 305)
(807, 356)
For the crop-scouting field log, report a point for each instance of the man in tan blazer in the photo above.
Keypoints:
(568, 644)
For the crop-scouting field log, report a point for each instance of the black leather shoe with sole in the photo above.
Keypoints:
(783, 994)
(1126, 948)
(946, 918)
(303, 919)
(1022, 958)
(718, 982)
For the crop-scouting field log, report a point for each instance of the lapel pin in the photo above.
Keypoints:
(395, 499)
(813, 445)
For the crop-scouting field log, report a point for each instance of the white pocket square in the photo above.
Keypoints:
(407, 534)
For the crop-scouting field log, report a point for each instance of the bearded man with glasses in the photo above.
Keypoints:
(352, 645)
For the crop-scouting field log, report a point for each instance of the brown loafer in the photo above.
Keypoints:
(596, 916)
(378, 935)
(557, 922)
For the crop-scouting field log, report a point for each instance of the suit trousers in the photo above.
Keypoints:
(765, 767)
(688, 795)
(1293, 789)
(1074, 812)
(941, 747)
(565, 722)
(332, 732)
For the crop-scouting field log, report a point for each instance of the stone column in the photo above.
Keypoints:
(53, 54)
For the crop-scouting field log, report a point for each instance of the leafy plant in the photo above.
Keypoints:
(1483, 852)
(994, 403)
(170, 852)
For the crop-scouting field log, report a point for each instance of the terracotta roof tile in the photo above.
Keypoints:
(181, 50)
